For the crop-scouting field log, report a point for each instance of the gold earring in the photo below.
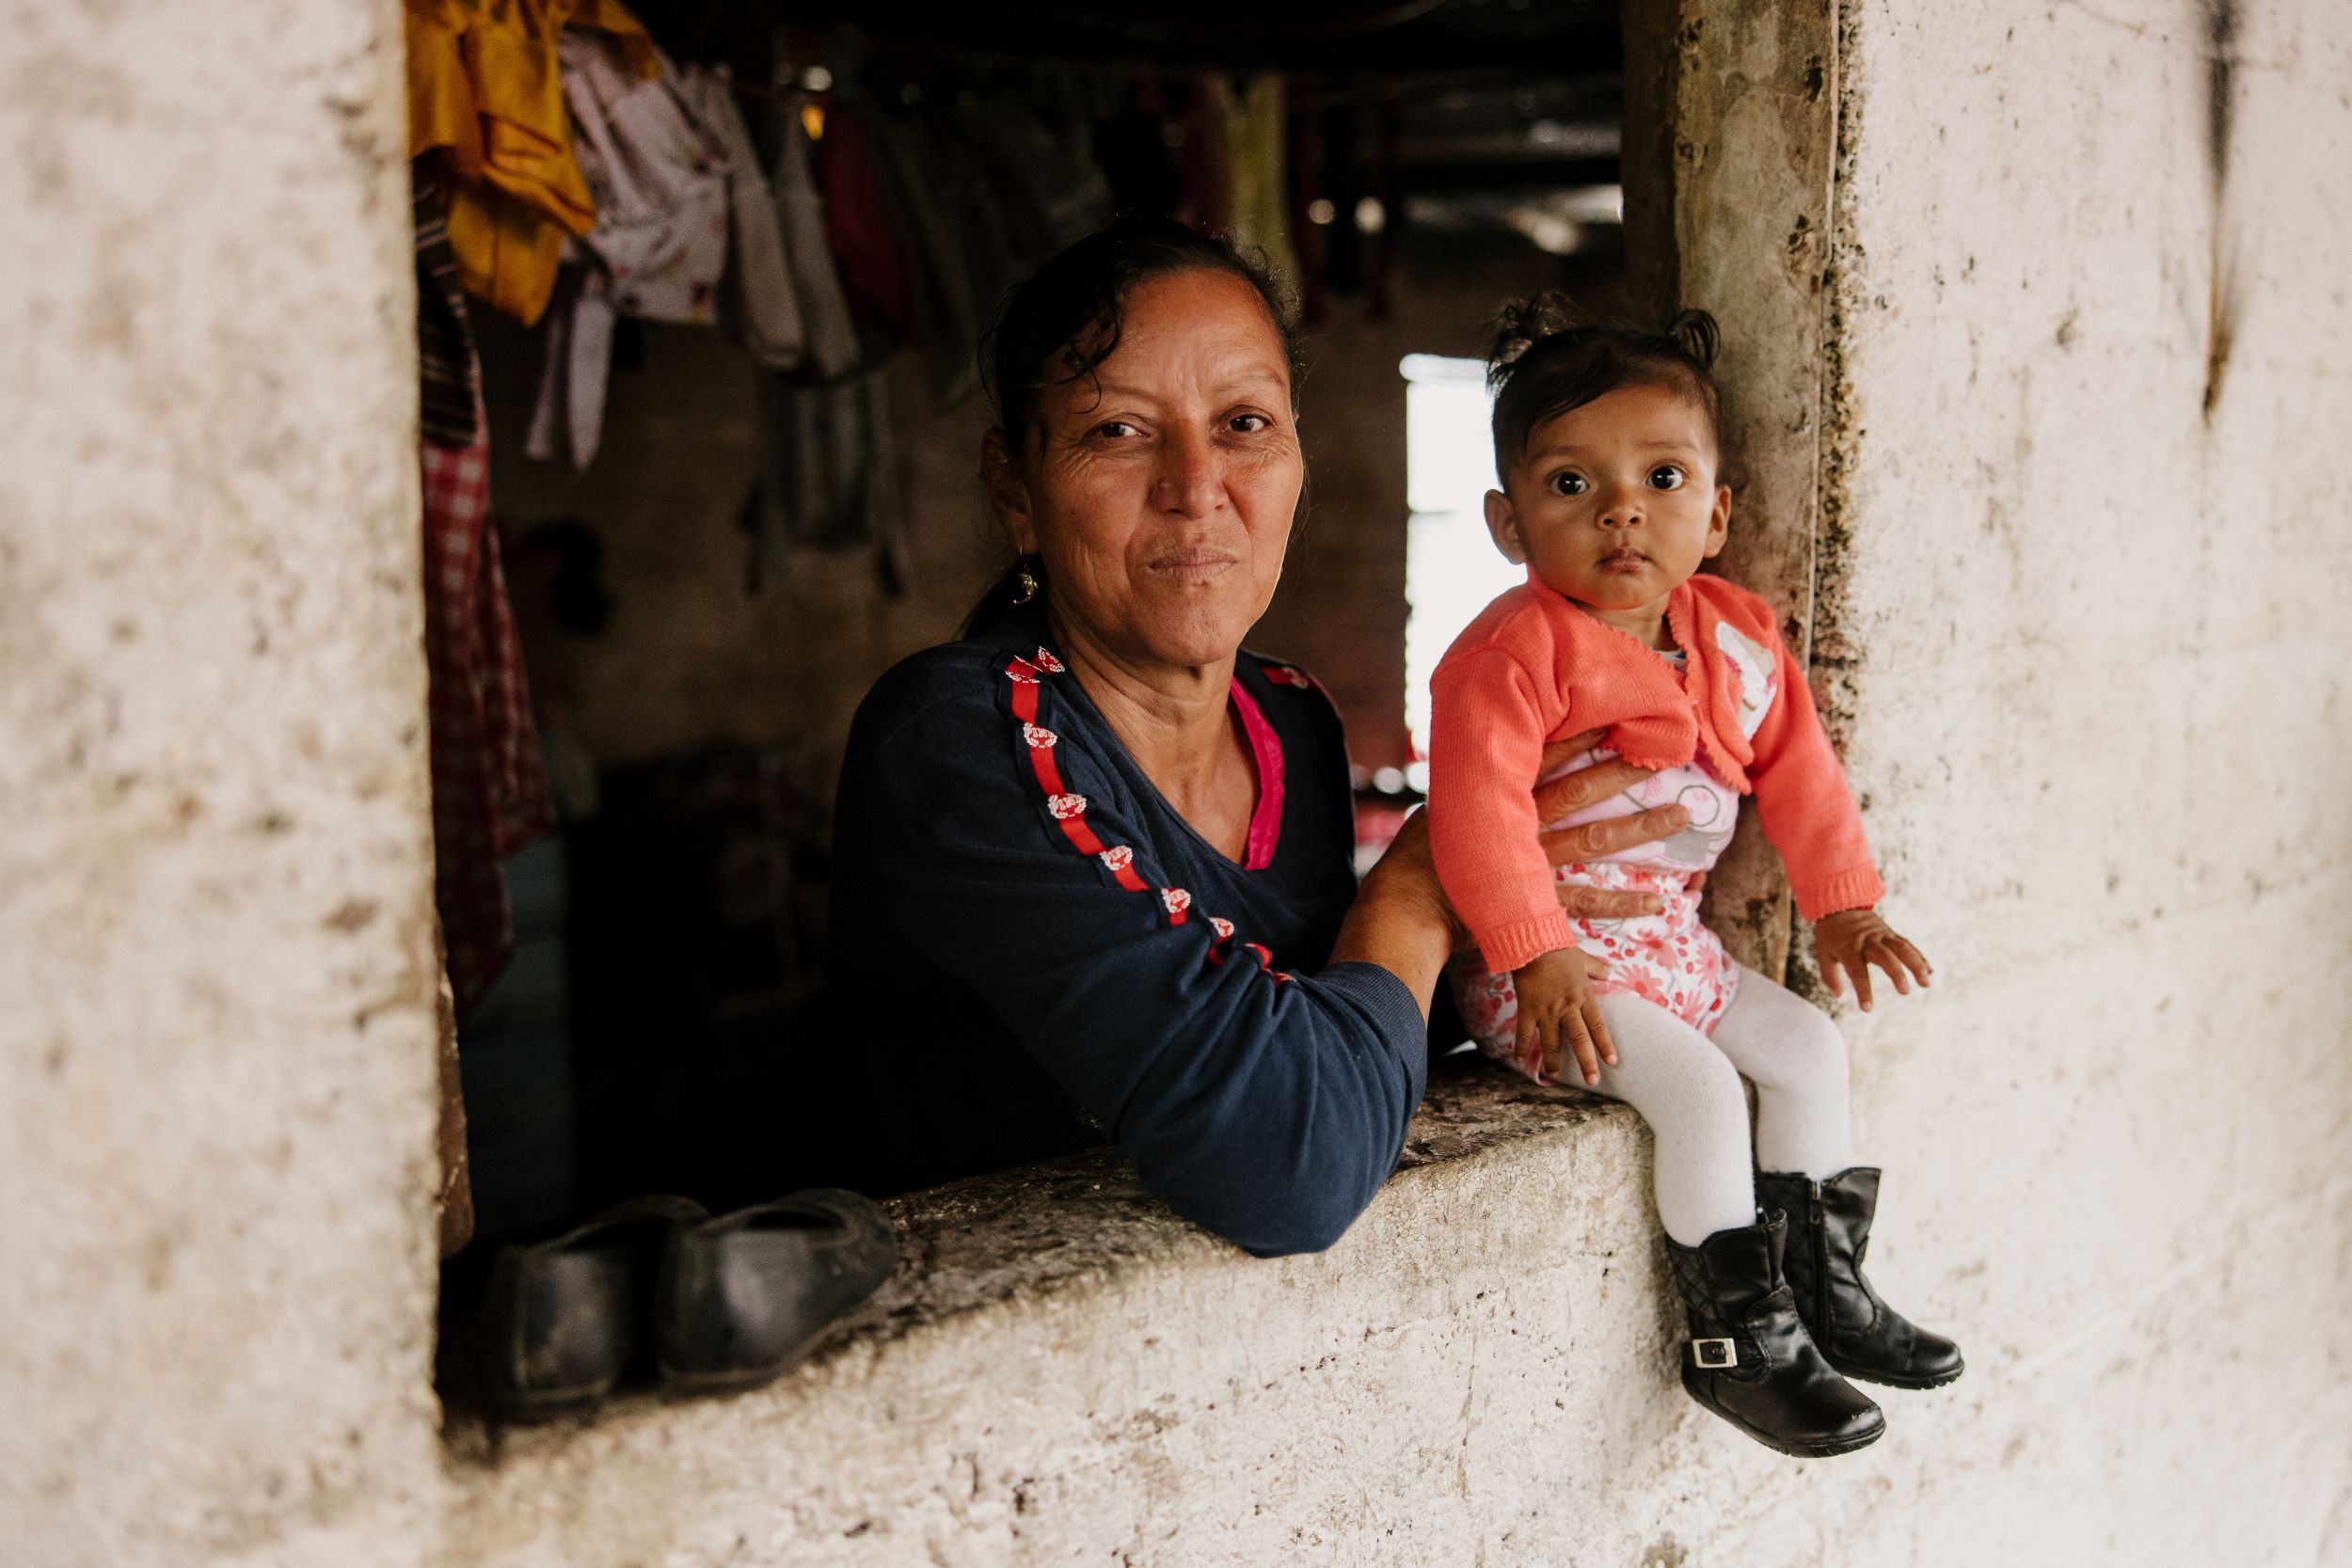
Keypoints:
(1028, 584)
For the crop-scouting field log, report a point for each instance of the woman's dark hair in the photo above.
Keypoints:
(1064, 320)
(1545, 356)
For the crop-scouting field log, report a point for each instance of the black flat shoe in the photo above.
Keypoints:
(744, 1296)
(1861, 1334)
(563, 1319)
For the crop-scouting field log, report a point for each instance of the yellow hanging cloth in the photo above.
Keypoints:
(1256, 151)
(484, 86)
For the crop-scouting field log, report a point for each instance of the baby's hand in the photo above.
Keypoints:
(1556, 1007)
(1847, 943)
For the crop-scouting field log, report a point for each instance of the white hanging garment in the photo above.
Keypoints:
(833, 349)
(766, 312)
(659, 247)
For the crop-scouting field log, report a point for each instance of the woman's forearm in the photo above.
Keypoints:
(1400, 920)
(1404, 940)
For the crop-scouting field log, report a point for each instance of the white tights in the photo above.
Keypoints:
(1686, 1084)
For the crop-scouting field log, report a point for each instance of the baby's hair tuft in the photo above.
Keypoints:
(1546, 356)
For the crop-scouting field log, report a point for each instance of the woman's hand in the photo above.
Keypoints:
(1402, 920)
(1847, 943)
(1594, 840)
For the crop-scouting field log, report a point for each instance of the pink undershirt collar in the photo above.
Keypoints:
(1266, 750)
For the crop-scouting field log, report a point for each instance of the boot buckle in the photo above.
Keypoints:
(1713, 1356)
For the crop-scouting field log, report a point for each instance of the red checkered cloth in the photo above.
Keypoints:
(489, 786)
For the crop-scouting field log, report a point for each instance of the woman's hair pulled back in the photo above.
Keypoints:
(1064, 320)
(1059, 325)
(1545, 356)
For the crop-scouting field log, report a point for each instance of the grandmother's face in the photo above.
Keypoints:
(1161, 499)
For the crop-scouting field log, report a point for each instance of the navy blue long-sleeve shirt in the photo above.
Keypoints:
(1032, 951)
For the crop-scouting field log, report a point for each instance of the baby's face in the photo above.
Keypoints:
(1615, 504)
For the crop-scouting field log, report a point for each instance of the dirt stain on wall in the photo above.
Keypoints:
(2222, 34)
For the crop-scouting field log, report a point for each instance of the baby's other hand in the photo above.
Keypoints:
(1557, 1008)
(1847, 943)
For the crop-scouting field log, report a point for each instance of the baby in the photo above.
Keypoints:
(1608, 444)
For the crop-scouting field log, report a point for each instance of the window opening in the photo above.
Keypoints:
(692, 661)
(1452, 567)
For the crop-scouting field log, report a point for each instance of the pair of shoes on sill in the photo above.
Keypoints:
(715, 1302)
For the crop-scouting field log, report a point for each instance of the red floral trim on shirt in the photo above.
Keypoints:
(1290, 674)
(1068, 807)
(1068, 810)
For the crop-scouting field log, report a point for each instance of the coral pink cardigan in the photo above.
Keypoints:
(1533, 668)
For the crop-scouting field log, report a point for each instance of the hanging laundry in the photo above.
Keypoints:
(659, 244)
(1258, 213)
(864, 246)
(980, 236)
(567, 417)
(1201, 161)
(449, 400)
(764, 311)
(485, 89)
(660, 176)
(801, 216)
(929, 218)
(1053, 190)
(828, 475)
(940, 274)
(489, 786)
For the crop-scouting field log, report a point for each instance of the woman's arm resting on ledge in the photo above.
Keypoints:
(1268, 1110)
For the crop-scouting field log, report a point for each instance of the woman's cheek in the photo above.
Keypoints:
(1278, 461)
(1273, 479)
(1091, 519)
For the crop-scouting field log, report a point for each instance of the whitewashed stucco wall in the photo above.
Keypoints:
(2085, 562)
(2077, 620)
(216, 972)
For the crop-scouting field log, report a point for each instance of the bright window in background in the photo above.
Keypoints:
(1451, 568)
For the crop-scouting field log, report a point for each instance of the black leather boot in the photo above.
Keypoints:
(1749, 1358)
(1861, 1334)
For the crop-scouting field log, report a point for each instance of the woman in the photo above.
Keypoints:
(1093, 864)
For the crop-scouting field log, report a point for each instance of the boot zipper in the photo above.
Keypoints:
(1818, 1241)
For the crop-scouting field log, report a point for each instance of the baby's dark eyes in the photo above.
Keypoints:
(1569, 485)
(1666, 476)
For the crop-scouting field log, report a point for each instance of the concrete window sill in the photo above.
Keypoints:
(1060, 1357)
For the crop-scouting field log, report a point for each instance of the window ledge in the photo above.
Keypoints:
(1053, 1328)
